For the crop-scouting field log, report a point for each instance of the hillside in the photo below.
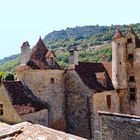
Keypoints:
(85, 36)
(93, 43)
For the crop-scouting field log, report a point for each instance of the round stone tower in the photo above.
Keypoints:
(119, 73)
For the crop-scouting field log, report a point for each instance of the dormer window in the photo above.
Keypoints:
(50, 60)
(129, 40)
(101, 78)
(130, 57)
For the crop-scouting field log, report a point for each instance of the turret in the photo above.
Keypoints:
(25, 53)
(119, 74)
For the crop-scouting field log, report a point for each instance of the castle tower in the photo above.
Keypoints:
(25, 53)
(73, 58)
(119, 73)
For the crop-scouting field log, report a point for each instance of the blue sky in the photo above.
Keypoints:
(26, 20)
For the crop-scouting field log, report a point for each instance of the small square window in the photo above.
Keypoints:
(52, 80)
(108, 98)
(131, 79)
(1, 111)
(1, 105)
(129, 40)
(130, 57)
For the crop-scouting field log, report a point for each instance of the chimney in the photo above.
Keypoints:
(73, 58)
(25, 53)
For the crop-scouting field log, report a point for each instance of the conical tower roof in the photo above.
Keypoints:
(118, 34)
(39, 51)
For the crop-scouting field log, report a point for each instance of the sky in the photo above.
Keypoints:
(26, 20)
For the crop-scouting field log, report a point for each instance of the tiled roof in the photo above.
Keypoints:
(87, 72)
(118, 34)
(38, 59)
(30, 131)
(22, 98)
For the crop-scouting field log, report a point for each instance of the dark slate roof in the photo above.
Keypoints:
(38, 59)
(87, 72)
(22, 98)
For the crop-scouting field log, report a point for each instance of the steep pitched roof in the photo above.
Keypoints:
(87, 72)
(38, 57)
(118, 34)
(39, 51)
(22, 98)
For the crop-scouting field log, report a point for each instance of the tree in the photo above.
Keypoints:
(9, 77)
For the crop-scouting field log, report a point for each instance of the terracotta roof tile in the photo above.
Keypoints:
(22, 98)
(87, 72)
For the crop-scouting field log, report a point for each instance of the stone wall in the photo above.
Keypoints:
(9, 113)
(77, 106)
(48, 85)
(100, 104)
(135, 106)
(39, 117)
(119, 127)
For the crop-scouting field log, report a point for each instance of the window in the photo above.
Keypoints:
(118, 44)
(129, 40)
(132, 94)
(130, 57)
(52, 80)
(108, 99)
(131, 79)
(51, 61)
(1, 109)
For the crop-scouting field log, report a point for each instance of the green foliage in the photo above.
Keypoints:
(10, 66)
(95, 55)
(2, 75)
(86, 37)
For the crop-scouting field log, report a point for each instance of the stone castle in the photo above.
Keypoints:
(76, 99)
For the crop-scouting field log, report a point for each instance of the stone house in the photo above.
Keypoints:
(17, 104)
(69, 94)
(74, 96)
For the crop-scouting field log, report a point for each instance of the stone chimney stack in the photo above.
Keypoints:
(73, 58)
(25, 53)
